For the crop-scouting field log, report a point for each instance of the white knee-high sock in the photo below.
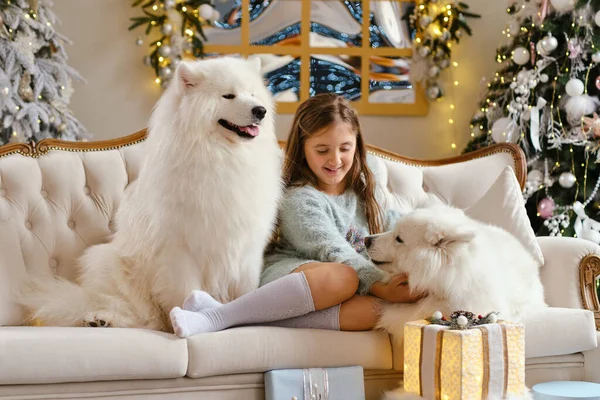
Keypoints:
(328, 318)
(284, 298)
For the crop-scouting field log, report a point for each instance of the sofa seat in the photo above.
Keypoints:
(260, 349)
(30, 355)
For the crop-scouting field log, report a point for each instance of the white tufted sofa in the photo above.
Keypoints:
(58, 198)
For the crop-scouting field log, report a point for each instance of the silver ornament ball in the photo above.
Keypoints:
(567, 180)
(5, 91)
(520, 56)
(165, 72)
(424, 51)
(462, 321)
(574, 87)
(147, 60)
(433, 92)
(596, 57)
(597, 18)
(535, 176)
(563, 5)
(164, 50)
(169, 4)
(139, 41)
(444, 64)
(167, 29)
(434, 71)
(206, 11)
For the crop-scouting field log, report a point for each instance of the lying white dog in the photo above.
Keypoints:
(461, 264)
(198, 216)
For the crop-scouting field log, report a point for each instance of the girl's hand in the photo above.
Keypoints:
(396, 290)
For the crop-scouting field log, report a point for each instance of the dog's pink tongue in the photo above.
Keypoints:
(251, 130)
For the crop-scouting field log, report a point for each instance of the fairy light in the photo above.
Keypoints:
(157, 80)
(184, 9)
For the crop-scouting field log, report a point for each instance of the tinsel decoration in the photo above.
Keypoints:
(462, 319)
(438, 24)
(176, 28)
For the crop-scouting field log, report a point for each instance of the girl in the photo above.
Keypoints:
(318, 274)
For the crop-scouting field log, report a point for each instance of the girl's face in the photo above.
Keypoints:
(330, 154)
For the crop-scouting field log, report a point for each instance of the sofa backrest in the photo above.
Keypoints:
(58, 198)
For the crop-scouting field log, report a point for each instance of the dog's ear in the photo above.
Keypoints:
(449, 236)
(255, 62)
(187, 77)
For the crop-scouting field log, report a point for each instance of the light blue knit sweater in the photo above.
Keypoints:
(315, 226)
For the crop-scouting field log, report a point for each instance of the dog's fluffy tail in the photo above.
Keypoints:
(54, 302)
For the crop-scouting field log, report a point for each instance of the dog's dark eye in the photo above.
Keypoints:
(229, 96)
(399, 239)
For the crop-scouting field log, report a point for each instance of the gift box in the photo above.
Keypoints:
(482, 362)
(345, 383)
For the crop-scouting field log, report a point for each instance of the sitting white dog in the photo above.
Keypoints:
(198, 216)
(460, 263)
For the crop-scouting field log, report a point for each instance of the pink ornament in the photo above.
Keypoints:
(546, 207)
(574, 49)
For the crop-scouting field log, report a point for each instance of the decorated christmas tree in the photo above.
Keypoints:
(35, 80)
(544, 97)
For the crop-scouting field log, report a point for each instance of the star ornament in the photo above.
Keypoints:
(592, 124)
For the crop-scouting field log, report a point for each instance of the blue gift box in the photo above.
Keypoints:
(345, 383)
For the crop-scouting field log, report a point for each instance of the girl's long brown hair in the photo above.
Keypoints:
(312, 117)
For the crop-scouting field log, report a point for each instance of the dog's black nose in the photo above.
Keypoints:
(368, 241)
(259, 112)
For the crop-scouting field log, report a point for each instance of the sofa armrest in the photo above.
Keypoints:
(566, 261)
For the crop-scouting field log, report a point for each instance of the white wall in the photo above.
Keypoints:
(120, 91)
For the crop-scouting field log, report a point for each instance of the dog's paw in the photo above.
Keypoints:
(98, 319)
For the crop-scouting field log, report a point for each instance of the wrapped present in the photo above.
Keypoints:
(345, 383)
(459, 362)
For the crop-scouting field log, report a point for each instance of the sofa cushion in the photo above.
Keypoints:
(52, 355)
(557, 331)
(12, 273)
(503, 205)
(260, 349)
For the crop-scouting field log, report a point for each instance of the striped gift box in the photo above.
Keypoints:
(480, 363)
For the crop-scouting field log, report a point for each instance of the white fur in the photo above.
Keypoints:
(461, 264)
(199, 215)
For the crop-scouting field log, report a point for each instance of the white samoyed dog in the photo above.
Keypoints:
(198, 216)
(461, 264)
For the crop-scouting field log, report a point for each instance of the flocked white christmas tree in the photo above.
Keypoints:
(35, 80)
